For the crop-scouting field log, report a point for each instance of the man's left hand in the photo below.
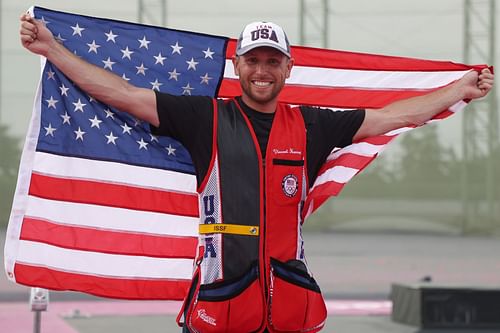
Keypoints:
(478, 85)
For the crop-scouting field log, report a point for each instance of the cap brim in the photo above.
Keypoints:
(247, 48)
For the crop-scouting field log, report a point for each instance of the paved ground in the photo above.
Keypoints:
(355, 271)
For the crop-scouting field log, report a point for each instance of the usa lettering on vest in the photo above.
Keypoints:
(209, 209)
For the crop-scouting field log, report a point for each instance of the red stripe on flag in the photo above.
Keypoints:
(347, 160)
(324, 96)
(321, 193)
(113, 195)
(443, 115)
(106, 241)
(330, 188)
(151, 289)
(379, 140)
(315, 57)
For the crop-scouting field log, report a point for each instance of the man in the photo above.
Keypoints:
(255, 160)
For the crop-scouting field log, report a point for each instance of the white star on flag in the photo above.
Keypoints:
(142, 144)
(176, 48)
(174, 75)
(44, 21)
(59, 38)
(52, 102)
(144, 42)
(127, 53)
(110, 36)
(79, 134)
(93, 47)
(156, 85)
(126, 129)
(64, 90)
(95, 122)
(50, 75)
(109, 114)
(108, 63)
(50, 130)
(153, 138)
(141, 69)
(111, 138)
(171, 150)
(79, 105)
(208, 53)
(159, 59)
(205, 78)
(192, 64)
(187, 89)
(66, 118)
(77, 30)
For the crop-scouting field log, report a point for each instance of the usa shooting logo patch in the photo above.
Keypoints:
(290, 185)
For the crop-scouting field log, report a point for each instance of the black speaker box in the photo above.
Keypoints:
(440, 307)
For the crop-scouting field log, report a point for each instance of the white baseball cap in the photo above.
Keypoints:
(258, 34)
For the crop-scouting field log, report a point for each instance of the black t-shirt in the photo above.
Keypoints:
(189, 119)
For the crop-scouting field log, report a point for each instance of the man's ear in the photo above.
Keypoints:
(235, 60)
(289, 66)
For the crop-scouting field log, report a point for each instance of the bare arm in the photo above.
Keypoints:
(417, 110)
(97, 82)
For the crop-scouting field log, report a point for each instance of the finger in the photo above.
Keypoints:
(29, 25)
(485, 85)
(27, 39)
(486, 77)
(27, 18)
(487, 73)
(486, 81)
(28, 32)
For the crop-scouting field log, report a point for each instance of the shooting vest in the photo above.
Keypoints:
(251, 272)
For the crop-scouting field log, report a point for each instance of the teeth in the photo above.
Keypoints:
(261, 83)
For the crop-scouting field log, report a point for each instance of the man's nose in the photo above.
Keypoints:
(261, 67)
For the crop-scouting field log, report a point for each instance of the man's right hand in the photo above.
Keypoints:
(100, 83)
(35, 36)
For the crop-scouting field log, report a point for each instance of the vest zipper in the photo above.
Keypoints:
(264, 222)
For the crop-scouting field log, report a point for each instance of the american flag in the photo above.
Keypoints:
(104, 207)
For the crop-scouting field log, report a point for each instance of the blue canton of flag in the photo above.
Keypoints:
(170, 61)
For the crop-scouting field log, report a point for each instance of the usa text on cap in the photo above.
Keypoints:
(258, 34)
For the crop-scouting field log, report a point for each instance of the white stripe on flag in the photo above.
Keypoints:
(102, 264)
(333, 77)
(360, 148)
(111, 218)
(339, 174)
(459, 106)
(113, 172)
(399, 131)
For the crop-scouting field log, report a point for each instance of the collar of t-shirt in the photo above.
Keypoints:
(261, 123)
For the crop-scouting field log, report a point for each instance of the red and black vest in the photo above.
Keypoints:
(251, 272)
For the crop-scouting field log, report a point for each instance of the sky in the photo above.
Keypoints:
(423, 29)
